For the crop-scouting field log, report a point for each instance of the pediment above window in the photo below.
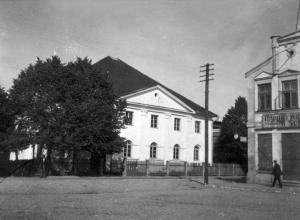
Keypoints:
(263, 75)
(289, 72)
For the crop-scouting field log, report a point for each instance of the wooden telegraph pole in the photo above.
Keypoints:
(208, 68)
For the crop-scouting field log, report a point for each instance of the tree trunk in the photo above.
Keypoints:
(74, 162)
(102, 164)
(17, 155)
(48, 161)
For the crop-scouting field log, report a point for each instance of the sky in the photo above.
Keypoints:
(167, 40)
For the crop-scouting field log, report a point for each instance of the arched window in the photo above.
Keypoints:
(153, 150)
(127, 149)
(176, 152)
(196, 152)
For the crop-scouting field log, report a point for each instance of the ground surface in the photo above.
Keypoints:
(117, 198)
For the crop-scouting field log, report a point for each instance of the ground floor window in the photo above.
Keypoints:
(265, 152)
(176, 152)
(153, 149)
(127, 149)
(196, 153)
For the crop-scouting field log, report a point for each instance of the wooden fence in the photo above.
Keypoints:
(147, 168)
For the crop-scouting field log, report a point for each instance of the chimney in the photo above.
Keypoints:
(274, 54)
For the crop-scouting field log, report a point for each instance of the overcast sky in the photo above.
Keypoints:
(167, 40)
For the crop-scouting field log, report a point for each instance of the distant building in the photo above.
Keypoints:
(161, 124)
(273, 111)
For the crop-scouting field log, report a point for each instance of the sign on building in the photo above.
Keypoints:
(281, 120)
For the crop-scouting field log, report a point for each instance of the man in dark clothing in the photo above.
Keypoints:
(276, 173)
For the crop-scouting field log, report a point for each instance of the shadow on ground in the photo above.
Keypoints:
(241, 179)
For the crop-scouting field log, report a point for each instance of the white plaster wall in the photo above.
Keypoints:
(293, 62)
(26, 154)
(142, 135)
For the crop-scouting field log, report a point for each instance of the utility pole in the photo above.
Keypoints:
(208, 68)
(297, 23)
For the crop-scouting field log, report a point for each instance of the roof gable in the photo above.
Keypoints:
(158, 97)
(127, 80)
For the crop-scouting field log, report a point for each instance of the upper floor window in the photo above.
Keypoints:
(289, 94)
(197, 126)
(128, 118)
(176, 124)
(176, 152)
(196, 153)
(153, 149)
(264, 96)
(127, 149)
(154, 121)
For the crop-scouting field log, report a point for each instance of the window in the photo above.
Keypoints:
(265, 152)
(128, 118)
(289, 94)
(264, 96)
(176, 124)
(197, 126)
(127, 149)
(176, 152)
(196, 152)
(154, 121)
(153, 149)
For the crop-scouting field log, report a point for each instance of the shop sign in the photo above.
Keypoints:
(281, 120)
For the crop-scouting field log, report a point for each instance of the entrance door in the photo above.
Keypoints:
(291, 156)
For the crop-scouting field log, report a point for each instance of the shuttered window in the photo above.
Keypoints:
(265, 152)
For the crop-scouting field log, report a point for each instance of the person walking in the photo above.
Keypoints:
(277, 174)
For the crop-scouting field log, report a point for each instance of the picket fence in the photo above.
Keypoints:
(148, 168)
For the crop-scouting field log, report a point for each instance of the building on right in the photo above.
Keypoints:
(274, 113)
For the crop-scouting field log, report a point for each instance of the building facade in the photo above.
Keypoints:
(161, 125)
(273, 111)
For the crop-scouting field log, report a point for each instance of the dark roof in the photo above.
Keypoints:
(127, 80)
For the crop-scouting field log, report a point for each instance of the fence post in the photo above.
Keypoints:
(185, 168)
(219, 169)
(203, 169)
(124, 167)
(233, 167)
(147, 167)
(167, 166)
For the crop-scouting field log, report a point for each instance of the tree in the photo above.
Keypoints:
(229, 148)
(6, 119)
(68, 107)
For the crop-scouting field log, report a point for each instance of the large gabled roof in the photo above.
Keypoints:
(127, 80)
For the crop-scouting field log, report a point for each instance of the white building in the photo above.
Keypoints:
(162, 125)
(273, 111)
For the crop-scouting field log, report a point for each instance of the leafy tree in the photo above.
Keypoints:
(6, 119)
(68, 107)
(229, 149)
